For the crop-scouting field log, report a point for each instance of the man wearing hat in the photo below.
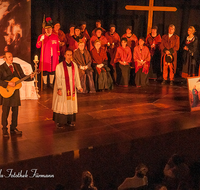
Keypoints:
(153, 41)
(50, 52)
(113, 42)
(61, 36)
(98, 36)
(169, 46)
(98, 25)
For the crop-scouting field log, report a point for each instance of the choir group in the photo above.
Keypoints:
(104, 59)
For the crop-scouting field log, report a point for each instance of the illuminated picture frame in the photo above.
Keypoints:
(194, 93)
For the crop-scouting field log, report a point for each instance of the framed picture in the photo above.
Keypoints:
(194, 93)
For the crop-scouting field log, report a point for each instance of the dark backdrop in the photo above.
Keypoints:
(113, 11)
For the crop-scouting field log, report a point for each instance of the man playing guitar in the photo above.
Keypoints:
(9, 70)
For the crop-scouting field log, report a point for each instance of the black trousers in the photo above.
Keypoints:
(4, 118)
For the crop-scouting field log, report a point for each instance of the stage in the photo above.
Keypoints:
(149, 123)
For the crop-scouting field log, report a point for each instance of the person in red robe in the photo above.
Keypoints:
(132, 39)
(69, 36)
(113, 42)
(98, 25)
(122, 60)
(61, 36)
(169, 46)
(153, 41)
(49, 57)
(102, 75)
(98, 36)
(142, 59)
(85, 33)
(73, 42)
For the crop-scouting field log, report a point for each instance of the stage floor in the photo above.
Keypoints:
(104, 118)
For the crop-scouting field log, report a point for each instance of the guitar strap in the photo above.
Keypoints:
(17, 70)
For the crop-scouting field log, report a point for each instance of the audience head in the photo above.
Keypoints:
(128, 29)
(191, 30)
(97, 44)
(161, 187)
(141, 170)
(81, 45)
(154, 30)
(68, 56)
(98, 32)
(77, 31)
(71, 29)
(112, 28)
(56, 26)
(87, 179)
(83, 25)
(177, 159)
(141, 41)
(124, 42)
(171, 29)
(98, 24)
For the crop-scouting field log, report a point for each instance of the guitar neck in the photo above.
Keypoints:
(26, 77)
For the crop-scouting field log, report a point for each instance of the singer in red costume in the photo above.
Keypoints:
(142, 59)
(49, 57)
(123, 58)
(61, 36)
(98, 36)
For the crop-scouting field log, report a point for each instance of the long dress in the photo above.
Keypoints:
(103, 79)
(141, 70)
(154, 70)
(190, 57)
(123, 71)
(61, 106)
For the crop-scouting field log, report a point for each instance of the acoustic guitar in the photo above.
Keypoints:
(9, 90)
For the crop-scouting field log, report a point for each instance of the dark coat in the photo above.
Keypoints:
(7, 75)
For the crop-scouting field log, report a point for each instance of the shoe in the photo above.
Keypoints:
(71, 124)
(5, 133)
(15, 132)
(59, 126)
(171, 83)
(163, 82)
(51, 86)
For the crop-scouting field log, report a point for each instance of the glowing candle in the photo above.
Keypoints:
(36, 58)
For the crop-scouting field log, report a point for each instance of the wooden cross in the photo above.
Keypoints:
(150, 10)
